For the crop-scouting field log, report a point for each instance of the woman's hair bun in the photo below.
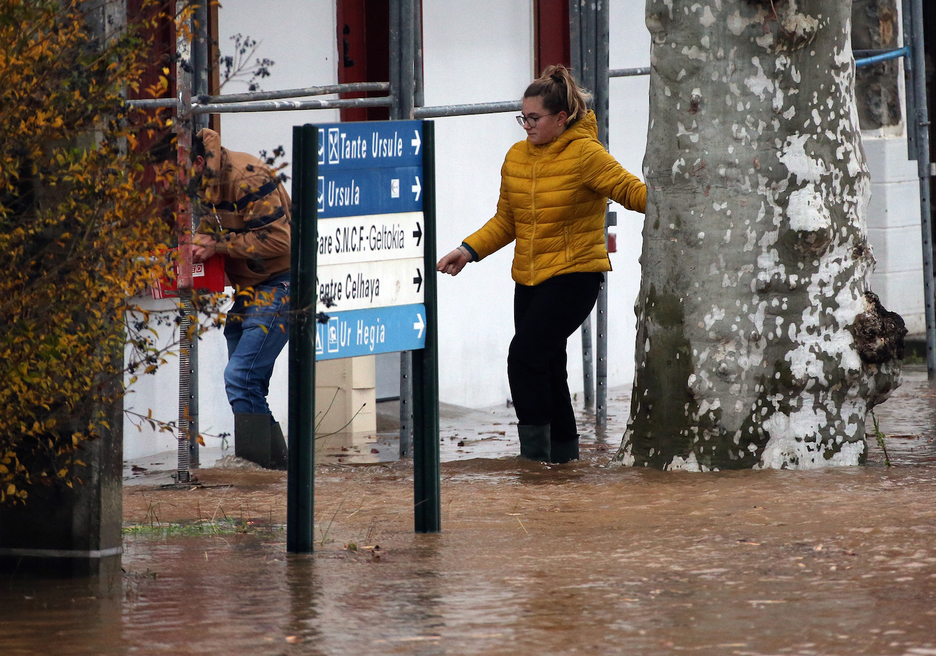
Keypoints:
(559, 92)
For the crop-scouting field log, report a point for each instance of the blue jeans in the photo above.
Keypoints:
(255, 333)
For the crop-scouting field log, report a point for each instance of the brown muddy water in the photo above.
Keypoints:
(532, 559)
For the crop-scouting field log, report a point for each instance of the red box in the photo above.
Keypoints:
(207, 276)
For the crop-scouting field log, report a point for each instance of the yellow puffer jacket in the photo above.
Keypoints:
(552, 202)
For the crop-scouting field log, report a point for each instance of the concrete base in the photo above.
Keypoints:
(70, 532)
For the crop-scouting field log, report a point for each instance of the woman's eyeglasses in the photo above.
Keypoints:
(524, 120)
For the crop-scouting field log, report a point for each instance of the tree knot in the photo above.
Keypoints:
(879, 333)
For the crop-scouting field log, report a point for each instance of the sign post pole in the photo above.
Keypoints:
(427, 502)
(300, 503)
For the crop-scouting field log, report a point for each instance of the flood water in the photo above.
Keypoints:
(534, 559)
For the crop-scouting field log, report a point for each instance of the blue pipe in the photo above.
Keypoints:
(893, 54)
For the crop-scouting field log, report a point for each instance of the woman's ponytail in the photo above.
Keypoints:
(560, 93)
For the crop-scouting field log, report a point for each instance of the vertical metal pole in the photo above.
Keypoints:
(191, 403)
(188, 355)
(588, 363)
(588, 46)
(427, 502)
(186, 433)
(200, 63)
(300, 486)
(404, 97)
(199, 82)
(909, 83)
(407, 59)
(419, 96)
(575, 38)
(602, 93)
(395, 55)
(924, 173)
(406, 403)
(577, 50)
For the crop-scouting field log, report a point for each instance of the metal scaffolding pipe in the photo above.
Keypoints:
(289, 105)
(407, 60)
(602, 108)
(252, 96)
(589, 46)
(404, 104)
(924, 172)
(582, 67)
(467, 110)
(419, 92)
(200, 63)
(628, 72)
(188, 379)
(154, 103)
(575, 37)
(909, 90)
(395, 63)
(881, 57)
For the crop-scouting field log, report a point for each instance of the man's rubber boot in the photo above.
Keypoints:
(534, 442)
(279, 453)
(562, 452)
(252, 438)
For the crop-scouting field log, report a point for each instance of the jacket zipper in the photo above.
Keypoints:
(533, 221)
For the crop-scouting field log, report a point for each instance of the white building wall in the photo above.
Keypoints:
(474, 52)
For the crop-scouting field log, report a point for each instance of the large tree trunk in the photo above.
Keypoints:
(759, 343)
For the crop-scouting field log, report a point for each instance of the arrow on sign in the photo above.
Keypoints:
(418, 233)
(415, 143)
(417, 188)
(418, 280)
(419, 325)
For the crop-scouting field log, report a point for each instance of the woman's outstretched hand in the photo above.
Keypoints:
(452, 263)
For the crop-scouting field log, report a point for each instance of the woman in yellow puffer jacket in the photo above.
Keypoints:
(553, 196)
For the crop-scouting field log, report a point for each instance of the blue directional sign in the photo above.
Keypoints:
(367, 332)
(370, 267)
(357, 192)
(370, 144)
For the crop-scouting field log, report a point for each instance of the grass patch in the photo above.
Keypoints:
(218, 524)
(201, 528)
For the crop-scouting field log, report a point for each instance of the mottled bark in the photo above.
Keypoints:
(755, 259)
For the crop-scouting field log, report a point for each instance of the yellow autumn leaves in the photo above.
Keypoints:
(82, 206)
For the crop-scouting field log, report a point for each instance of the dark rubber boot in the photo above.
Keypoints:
(279, 454)
(534, 442)
(252, 438)
(562, 452)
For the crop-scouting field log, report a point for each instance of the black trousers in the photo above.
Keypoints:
(544, 317)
